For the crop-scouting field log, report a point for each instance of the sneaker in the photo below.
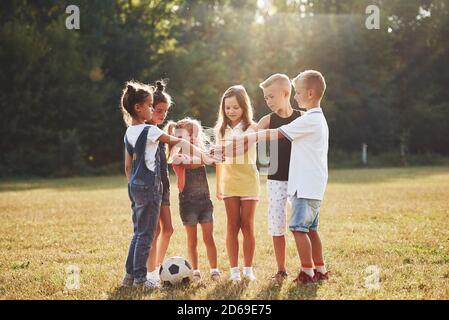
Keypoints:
(280, 276)
(215, 276)
(128, 281)
(304, 278)
(196, 276)
(235, 277)
(151, 284)
(321, 276)
(249, 276)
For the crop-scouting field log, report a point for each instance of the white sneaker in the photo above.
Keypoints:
(248, 274)
(235, 276)
(196, 276)
(151, 284)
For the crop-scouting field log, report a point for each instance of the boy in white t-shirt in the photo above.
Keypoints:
(309, 135)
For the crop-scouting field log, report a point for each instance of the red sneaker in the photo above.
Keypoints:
(304, 278)
(321, 276)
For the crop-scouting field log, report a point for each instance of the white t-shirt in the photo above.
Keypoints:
(154, 133)
(309, 135)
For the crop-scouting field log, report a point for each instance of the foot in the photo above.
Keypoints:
(321, 276)
(196, 276)
(280, 276)
(235, 276)
(215, 276)
(304, 278)
(151, 284)
(128, 281)
(249, 276)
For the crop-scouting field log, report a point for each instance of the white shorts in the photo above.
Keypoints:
(277, 207)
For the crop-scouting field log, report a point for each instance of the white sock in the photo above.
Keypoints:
(154, 275)
(247, 270)
(235, 270)
(321, 269)
(216, 270)
(196, 271)
(309, 272)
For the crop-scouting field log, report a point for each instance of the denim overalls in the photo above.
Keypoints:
(195, 205)
(145, 192)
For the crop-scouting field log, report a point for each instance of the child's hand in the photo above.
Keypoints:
(219, 196)
(217, 152)
(181, 158)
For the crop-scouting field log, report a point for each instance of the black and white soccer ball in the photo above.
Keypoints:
(175, 270)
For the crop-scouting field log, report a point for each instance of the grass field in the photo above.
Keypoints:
(395, 221)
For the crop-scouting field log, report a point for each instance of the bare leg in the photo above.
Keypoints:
(279, 251)
(233, 228)
(211, 249)
(304, 247)
(317, 251)
(249, 242)
(192, 245)
(166, 233)
(151, 262)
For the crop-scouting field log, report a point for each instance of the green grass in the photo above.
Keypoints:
(395, 219)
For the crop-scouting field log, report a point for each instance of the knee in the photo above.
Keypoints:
(233, 230)
(247, 230)
(167, 232)
(208, 239)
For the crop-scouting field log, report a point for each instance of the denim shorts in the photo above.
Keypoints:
(305, 214)
(194, 211)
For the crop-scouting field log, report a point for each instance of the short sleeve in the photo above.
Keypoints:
(299, 127)
(154, 133)
(128, 145)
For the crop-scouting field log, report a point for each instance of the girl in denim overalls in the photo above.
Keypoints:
(195, 206)
(143, 170)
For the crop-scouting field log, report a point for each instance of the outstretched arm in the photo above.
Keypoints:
(239, 145)
(187, 148)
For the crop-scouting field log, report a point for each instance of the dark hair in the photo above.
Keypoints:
(160, 96)
(133, 93)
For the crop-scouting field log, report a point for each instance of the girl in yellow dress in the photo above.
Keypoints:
(238, 179)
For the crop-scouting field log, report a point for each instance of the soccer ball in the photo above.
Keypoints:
(175, 270)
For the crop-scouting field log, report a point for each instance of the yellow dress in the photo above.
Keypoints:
(238, 176)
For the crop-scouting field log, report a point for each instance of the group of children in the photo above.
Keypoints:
(303, 143)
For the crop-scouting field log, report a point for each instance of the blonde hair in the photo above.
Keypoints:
(192, 126)
(239, 92)
(312, 80)
(279, 78)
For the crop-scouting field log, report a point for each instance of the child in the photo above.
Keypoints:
(238, 181)
(277, 91)
(161, 101)
(195, 206)
(142, 168)
(309, 135)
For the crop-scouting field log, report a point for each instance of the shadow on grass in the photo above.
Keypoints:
(270, 291)
(302, 292)
(179, 292)
(121, 293)
(227, 290)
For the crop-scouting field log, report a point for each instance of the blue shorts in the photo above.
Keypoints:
(305, 214)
